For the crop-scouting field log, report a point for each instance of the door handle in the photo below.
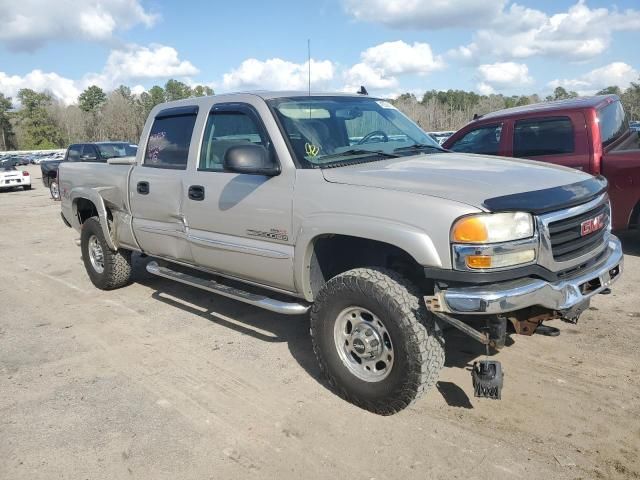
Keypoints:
(196, 192)
(143, 188)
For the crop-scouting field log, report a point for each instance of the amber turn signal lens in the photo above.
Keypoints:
(479, 261)
(470, 230)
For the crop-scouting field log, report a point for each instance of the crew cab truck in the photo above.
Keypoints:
(591, 134)
(341, 206)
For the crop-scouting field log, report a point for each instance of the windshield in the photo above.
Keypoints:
(117, 150)
(336, 131)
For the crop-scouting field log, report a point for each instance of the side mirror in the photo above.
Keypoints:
(88, 158)
(250, 159)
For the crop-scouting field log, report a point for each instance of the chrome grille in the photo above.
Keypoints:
(567, 241)
(562, 247)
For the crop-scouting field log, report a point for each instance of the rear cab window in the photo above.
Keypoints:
(543, 136)
(73, 154)
(613, 123)
(484, 140)
(170, 138)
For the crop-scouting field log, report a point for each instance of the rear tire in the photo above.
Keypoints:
(26, 187)
(107, 269)
(374, 339)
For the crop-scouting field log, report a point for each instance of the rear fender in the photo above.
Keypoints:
(93, 195)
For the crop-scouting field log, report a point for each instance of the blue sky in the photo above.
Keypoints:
(391, 46)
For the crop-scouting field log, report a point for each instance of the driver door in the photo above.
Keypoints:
(239, 224)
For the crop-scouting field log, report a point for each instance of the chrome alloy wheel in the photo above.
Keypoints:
(363, 344)
(55, 191)
(96, 255)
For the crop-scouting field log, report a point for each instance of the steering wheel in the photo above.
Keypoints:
(370, 135)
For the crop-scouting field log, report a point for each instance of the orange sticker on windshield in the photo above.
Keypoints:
(311, 150)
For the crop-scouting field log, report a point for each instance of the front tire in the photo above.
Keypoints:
(54, 190)
(107, 269)
(374, 339)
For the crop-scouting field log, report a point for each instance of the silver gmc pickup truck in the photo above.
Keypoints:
(341, 205)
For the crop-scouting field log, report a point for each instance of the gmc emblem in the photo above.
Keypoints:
(592, 225)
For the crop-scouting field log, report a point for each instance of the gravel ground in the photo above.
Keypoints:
(159, 380)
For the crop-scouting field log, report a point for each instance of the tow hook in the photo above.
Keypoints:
(487, 377)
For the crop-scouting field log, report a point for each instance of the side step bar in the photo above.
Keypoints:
(278, 306)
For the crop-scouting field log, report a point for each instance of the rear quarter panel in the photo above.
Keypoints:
(107, 187)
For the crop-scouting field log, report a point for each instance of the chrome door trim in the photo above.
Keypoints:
(233, 247)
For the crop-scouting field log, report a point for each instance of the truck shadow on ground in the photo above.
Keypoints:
(630, 242)
(294, 330)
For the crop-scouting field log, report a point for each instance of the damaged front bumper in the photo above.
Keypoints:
(510, 296)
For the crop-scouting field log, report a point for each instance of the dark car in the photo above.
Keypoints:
(589, 133)
(84, 152)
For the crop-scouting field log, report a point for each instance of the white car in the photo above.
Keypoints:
(11, 177)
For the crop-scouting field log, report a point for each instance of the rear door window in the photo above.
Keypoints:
(484, 140)
(543, 136)
(170, 137)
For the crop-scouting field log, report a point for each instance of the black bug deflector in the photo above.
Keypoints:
(549, 199)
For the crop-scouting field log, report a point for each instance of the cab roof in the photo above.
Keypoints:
(595, 101)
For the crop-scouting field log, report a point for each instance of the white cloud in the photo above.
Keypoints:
(134, 62)
(400, 57)
(371, 78)
(425, 14)
(155, 61)
(278, 74)
(580, 33)
(502, 76)
(617, 73)
(29, 24)
(381, 64)
(61, 87)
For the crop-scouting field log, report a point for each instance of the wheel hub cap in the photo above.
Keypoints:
(96, 255)
(363, 344)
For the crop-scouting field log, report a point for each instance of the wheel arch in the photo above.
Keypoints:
(360, 242)
(87, 203)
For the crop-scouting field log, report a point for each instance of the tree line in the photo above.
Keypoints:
(43, 122)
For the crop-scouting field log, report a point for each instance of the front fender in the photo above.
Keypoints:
(412, 240)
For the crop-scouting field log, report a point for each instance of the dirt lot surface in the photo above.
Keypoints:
(159, 380)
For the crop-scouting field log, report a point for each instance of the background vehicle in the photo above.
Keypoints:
(83, 152)
(441, 137)
(590, 134)
(635, 126)
(11, 177)
(341, 205)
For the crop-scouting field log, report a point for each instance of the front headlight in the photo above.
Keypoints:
(493, 228)
(493, 241)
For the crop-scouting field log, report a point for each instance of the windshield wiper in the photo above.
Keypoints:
(359, 151)
(419, 146)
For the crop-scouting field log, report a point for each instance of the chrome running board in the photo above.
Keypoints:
(257, 300)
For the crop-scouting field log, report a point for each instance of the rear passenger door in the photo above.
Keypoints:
(562, 140)
(156, 185)
(239, 224)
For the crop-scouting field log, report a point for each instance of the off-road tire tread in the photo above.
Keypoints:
(426, 342)
(117, 265)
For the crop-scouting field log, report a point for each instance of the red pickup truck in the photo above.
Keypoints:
(588, 133)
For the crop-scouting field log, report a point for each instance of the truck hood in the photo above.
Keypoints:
(465, 178)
